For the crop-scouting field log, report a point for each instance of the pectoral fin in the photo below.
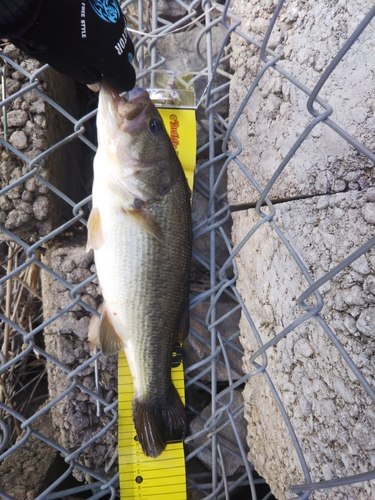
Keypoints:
(146, 220)
(95, 238)
(109, 340)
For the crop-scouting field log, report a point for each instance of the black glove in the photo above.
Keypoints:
(84, 39)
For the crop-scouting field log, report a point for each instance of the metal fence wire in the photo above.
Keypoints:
(48, 287)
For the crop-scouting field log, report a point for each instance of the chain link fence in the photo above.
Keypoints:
(48, 287)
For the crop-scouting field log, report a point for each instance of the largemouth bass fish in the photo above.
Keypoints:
(140, 231)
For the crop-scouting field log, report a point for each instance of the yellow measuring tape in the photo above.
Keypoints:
(181, 127)
(140, 476)
(164, 477)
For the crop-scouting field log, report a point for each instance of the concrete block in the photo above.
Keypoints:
(331, 414)
(75, 416)
(306, 36)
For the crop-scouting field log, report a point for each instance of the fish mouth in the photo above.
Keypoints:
(126, 109)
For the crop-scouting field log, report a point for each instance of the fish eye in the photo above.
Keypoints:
(155, 125)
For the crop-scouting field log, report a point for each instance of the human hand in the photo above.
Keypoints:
(84, 39)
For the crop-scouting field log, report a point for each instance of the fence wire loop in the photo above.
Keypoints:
(43, 219)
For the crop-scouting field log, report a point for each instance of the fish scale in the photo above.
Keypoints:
(140, 230)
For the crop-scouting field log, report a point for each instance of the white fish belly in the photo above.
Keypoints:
(128, 282)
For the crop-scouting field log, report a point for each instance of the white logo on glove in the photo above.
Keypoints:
(121, 44)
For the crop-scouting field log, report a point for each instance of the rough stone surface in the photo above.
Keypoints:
(307, 36)
(16, 118)
(75, 416)
(18, 139)
(24, 471)
(167, 9)
(329, 410)
(32, 127)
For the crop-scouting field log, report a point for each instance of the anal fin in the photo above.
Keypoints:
(110, 342)
(93, 330)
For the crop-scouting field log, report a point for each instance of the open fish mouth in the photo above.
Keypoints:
(127, 109)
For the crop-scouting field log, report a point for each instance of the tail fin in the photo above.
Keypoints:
(157, 422)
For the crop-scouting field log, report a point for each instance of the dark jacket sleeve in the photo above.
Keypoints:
(17, 16)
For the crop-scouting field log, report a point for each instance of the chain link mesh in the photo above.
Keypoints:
(214, 281)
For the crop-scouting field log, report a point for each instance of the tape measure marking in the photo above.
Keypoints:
(142, 477)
